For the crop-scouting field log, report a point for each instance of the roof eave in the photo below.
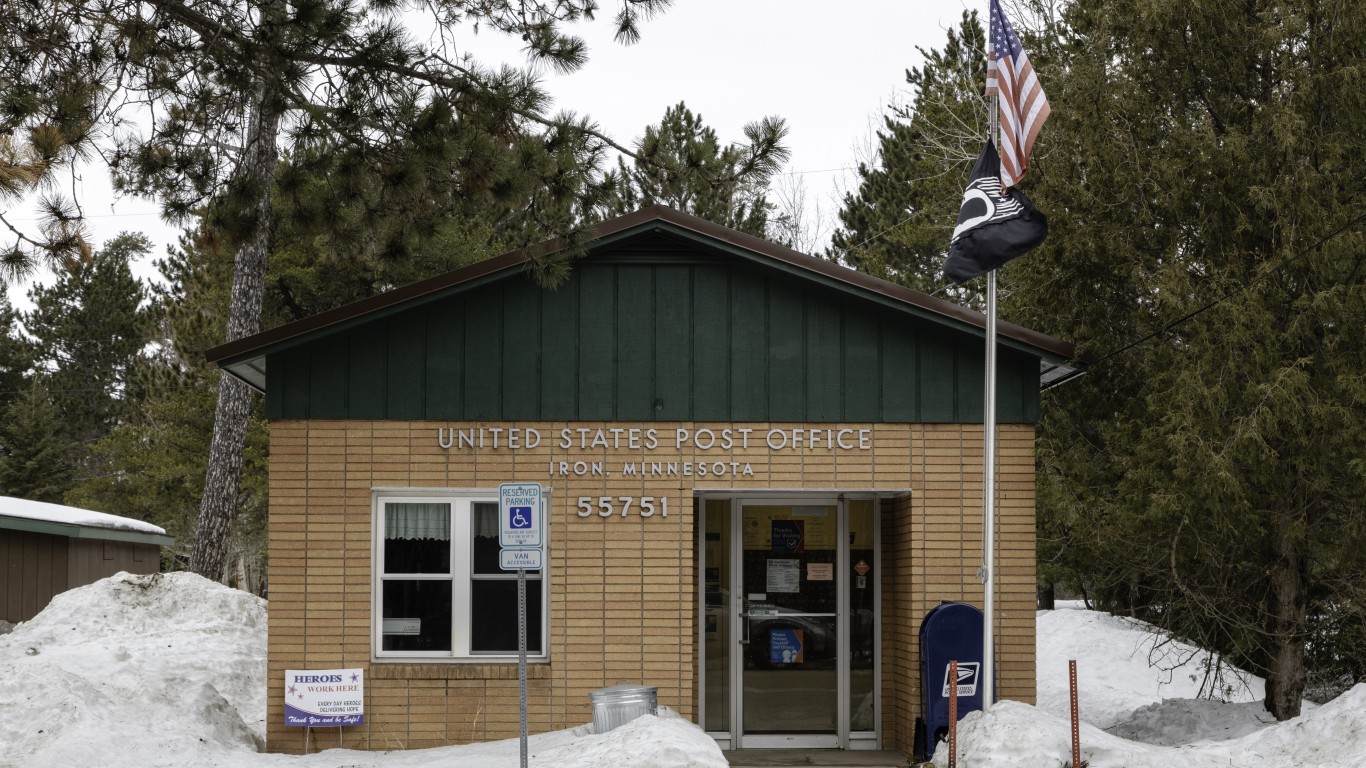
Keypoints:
(245, 358)
(76, 531)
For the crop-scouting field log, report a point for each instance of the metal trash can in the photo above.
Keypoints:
(620, 704)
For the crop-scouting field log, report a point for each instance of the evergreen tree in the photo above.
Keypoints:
(229, 83)
(1203, 175)
(36, 460)
(682, 164)
(33, 463)
(898, 224)
(155, 461)
(16, 354)
(90, 327)
(85, 334)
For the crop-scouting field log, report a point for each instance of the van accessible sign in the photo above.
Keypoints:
(321, 697)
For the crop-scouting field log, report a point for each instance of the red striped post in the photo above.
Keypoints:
(1076, 721)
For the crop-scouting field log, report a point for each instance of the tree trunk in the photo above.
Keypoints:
(1047, 596)
(1288, 606)
(244, 319)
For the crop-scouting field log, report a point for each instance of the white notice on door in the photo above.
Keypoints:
(784, 575)
(820, 571)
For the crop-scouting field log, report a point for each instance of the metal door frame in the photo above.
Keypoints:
(839, 738)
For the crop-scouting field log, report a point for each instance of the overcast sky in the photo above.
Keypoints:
(830, 69)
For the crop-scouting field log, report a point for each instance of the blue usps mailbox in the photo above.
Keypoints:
(951, 632)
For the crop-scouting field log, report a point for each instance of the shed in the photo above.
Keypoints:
(46, 549)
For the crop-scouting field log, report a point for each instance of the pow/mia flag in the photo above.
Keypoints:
(992, 229)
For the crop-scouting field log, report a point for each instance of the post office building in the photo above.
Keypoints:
(760, 470)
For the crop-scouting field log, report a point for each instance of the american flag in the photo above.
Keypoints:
(1024, 108)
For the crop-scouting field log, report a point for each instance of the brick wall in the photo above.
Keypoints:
(622, 590)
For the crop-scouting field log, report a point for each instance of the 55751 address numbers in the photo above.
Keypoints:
(623, 506)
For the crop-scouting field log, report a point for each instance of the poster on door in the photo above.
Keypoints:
(788, 537)
(785, 646)
(784, 576)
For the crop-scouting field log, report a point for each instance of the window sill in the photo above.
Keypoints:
(406, 669)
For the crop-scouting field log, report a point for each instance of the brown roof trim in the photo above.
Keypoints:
(623, 224)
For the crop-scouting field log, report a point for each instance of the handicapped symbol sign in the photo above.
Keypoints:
(520, 517)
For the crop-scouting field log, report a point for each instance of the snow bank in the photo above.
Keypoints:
(1182, 721)
(160, 671)
(56, 513)
(169, 670)
(646, 742)
(1123, 665)
(1014, 734)
(160, 664)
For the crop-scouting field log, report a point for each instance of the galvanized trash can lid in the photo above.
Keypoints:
(619, 692)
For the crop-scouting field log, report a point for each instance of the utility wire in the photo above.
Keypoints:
(1210, 305)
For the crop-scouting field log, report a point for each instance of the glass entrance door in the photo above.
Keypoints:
(790, 622)
(789, 634)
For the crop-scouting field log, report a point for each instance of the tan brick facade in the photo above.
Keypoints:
(623, 602)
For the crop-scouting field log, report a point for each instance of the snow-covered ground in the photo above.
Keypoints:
(151, 671)
(1137, 696)
(169, 670)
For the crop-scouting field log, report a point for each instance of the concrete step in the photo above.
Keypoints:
(816, 758)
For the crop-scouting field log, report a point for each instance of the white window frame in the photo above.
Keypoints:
(461, 501)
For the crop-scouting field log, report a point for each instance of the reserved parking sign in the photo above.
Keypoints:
(519, 515)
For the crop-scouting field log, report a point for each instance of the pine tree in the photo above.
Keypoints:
(231, 85)
(1202, 167)
(16, 354)
(90, 327)
(1201, 170)
(155, 461)
(682, 164)
(37, 462)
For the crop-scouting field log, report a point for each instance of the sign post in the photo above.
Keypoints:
(520, 526)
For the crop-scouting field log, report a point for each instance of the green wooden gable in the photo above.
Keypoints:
(657, 323)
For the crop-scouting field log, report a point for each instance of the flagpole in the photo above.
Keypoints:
(989, 502)
(989, 473)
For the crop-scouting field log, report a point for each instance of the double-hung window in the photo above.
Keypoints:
(439, 593)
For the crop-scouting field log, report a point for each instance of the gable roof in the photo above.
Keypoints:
(245, 358)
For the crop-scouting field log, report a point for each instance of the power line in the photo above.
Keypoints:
(1210, 305)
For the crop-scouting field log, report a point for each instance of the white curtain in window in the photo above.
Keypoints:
(414, 520)
(485, 519)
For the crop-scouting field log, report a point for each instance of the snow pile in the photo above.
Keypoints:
(648, 741)
(169, 670)
(1138, 703)
(1124, 665)
(168, 662)
(1183, 721)
(57, 513)
(1014, 734)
